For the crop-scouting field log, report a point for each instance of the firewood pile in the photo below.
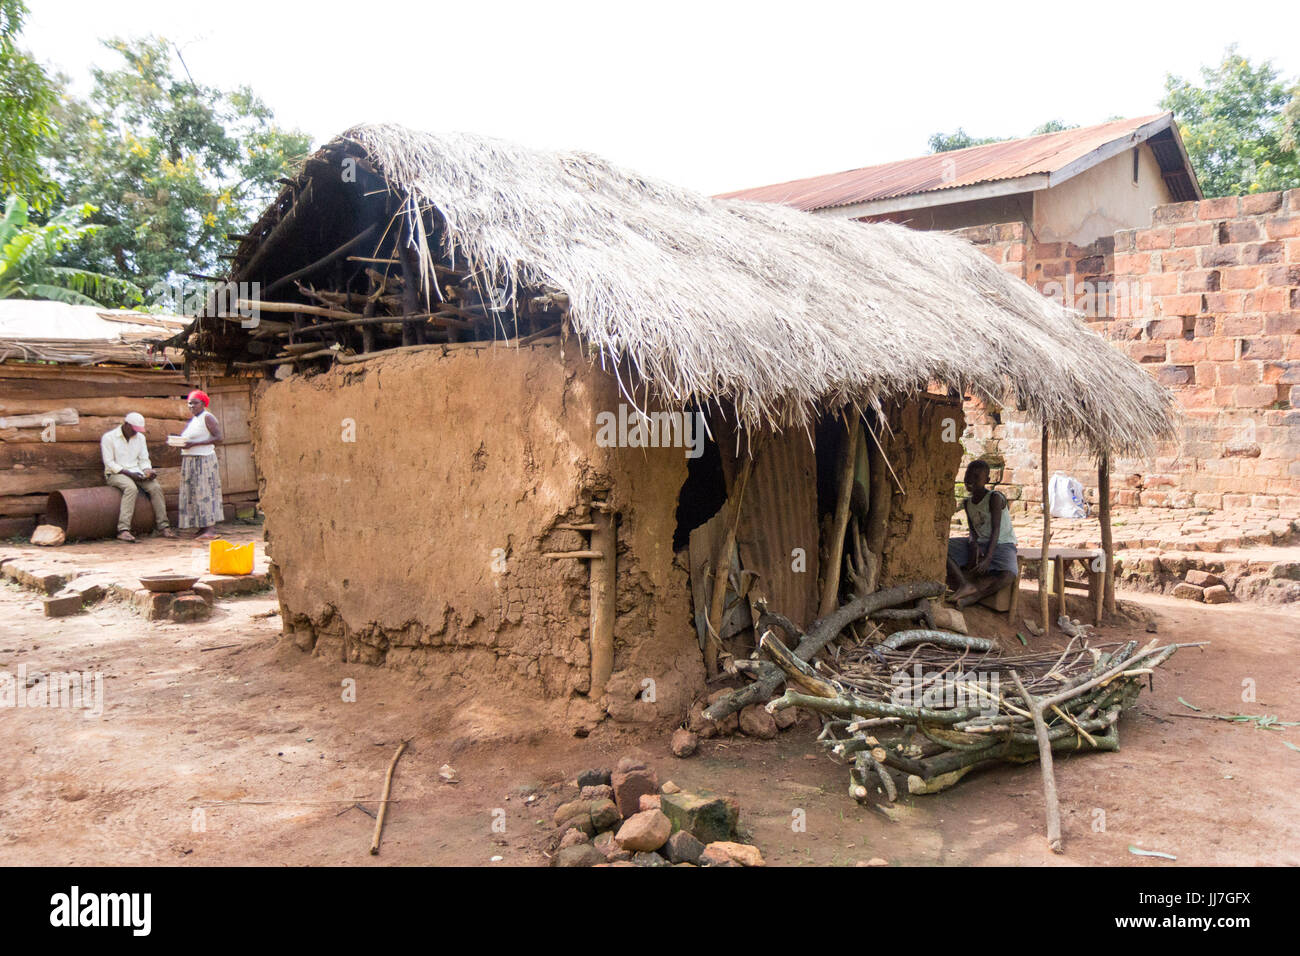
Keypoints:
(934, 705)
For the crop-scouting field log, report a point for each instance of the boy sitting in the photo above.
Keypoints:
(985, 562)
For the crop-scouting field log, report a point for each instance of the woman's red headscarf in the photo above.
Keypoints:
(201, 396)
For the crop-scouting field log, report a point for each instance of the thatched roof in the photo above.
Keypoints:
(771, 310)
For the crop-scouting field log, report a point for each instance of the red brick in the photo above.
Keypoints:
(1182, 305)
(1291, 200)
(1267, 300)
(1239, 373)
(1204, 327)
(1016, 252)
(1212, 256)
(1261, 348)
(1132, 263)
(1260, 203)
(1282, 323)
(1201, 397)
(1225, 207)
(1160, 283)
(1254, 396)
(1282, 227)
(1174, 212)
(1243, 230)
(1125, 240)
(1221, 350)
(1242, 277)
(1199, 280)
(1168, 328)
(1147, 352)
(1223, 302)
(1262, 252)
(1172, 259)
(1184, 352)
(1155, 239)
(1196, 235)
(1176, 375)
(1293, 250)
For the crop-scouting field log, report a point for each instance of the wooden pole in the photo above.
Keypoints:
(1107, 542)
(1035, 706)
(1044, 612)
(831, 590)
(722, 564)
(604, 544)
(383, 804)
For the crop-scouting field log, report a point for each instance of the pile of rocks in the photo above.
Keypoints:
(752, 721)
(623, 817)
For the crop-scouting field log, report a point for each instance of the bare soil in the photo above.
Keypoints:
(257, 736)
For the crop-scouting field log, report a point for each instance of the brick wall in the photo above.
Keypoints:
(1207, 298)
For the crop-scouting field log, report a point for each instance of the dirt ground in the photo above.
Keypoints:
(217, 746)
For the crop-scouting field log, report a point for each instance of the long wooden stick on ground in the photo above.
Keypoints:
(383, 804)
(1045, 764)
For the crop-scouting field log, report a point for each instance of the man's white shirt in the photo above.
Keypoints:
(121, 454)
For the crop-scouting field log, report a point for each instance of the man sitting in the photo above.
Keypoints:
(127, 468)
(985, 562)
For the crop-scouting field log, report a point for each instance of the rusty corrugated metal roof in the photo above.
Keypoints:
(1042, 155)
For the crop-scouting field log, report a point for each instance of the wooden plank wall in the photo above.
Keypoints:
(31, 466)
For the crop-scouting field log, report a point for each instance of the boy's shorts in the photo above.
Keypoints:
(1004, 555)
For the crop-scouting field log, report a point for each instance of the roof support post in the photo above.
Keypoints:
(1044, 612)
(1107, 542)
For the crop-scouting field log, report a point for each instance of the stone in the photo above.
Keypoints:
(62, 605)
(572, 837)
(786, 717)
(644, 831)
(722, 852)
(604, 814)
(575, 813)
(683, 848)
(727, 725)
(670, 787)
(1288, 570)
(597, 791)
(593, 778)
(1188, 592)
(949, 619)
(757, 722)
(91, 589)
(604, 842)
(1203, 579)
(229, 586)
(684, 743)
(626, 764)
(153, 606)
(649, 859)
(209, 596)
(48, 536)
(1217, 594)
(188, 606)
(649, 801)
(706, 817)
(629, 785)
(583, 854)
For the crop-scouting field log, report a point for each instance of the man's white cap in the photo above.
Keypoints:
(136, 421)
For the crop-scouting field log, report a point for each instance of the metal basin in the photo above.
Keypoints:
(169, 583)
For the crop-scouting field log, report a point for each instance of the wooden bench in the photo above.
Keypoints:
(1094, 566)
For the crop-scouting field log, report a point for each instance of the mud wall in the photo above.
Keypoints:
(409, 501)
(925, 451)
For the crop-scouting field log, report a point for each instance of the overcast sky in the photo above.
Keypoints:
(711, 95)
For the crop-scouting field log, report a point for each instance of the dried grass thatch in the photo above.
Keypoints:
(772, 310)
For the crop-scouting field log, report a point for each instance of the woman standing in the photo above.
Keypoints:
(200, 500)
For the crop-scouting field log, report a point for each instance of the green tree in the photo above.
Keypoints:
(946, 142)
(27, 97)
(1234, 126)
(28, 251)
(171, 165)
